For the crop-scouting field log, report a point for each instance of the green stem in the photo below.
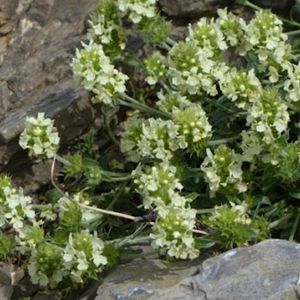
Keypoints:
(171, 41)
(115, 174)
(130, 241)
(216, 104)
(280, 221)
(62, 160)
(223, 141)
(295, 32)
(145, 108)
(295, 226)
(108, 129)
(166, 46)
(205, 211)
(118, 179)
(116, 196)
(40, 206)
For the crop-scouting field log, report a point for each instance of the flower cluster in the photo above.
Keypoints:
(15, 207)
(223, 171)
(174, 231)
(288, 166)
(93, 69)
(168, 101)
(46, 265)
(106, 28)
(76, 254)
(234, 225)
(209, 38)
(268, 115)
(160, 189)
(193, 126)
(40, 137)
(191, 69)
(292, 84)
(240, 87)
(234, 31)
(138, 9)
(155, 68)
(158, 185)
(265, 33)
(153, 138)
(155, 29)
(130, 137)
(83, 255)
(160, 139)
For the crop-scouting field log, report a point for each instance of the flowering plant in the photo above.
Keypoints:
(203, 152)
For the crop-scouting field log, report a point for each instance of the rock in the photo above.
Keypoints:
(143, 278)
(191, 8)
(269, 270)
(37, 42)
(73, 114)
(10, 275)
(278, 6)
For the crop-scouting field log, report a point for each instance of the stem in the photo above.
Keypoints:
(295, 32)
(295, 226)
(62, 160)
(115, 174)
(223, 141)
(205, 211)
(216, 104)
(166, 46)
(108, 212)
(145, 108)
(171, 41)
(109, 131)
(40, 206)
(279, 221)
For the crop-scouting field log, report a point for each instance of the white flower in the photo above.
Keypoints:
(173, 231)
(234, 30)
(292, 84)
(137, 9)
(192, 69)
(240, 86)
(83, 252)
(193, 126)
(268, 115)
(159, 186)
(93, 69)
(40, 137)
(223, 171)
(159, 139)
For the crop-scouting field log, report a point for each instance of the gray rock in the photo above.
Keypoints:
(9, 276)
(269, 270)
(191, 8)
(37, 42)
(141, 279)
(278, 6)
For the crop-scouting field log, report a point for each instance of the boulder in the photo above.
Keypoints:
(142, 278)
(278, 6)
(269, 270)
(37, 42)
(191, 8)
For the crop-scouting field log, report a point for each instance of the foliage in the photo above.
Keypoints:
(209, 145)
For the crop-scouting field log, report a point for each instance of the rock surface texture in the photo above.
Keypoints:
(37, 41)
(192, 8)
(140, 279)
(267, 271)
